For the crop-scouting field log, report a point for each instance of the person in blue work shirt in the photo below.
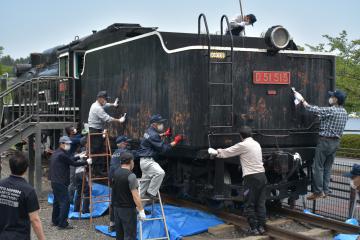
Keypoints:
(71, 132)
(150, 147)
(332, 124)
(115, 163)
(60, 163)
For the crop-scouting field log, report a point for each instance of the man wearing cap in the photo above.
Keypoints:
(115, 163)
(97, 120)
(332, 123)
(60, 163)
(150, 147)
(354, 176)
(126, 198)
(237, 24)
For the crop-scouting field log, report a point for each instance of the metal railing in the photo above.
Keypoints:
(44, 99)
(337, 204)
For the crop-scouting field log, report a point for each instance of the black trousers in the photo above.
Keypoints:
(86, 202)
(235, 31)
(61, 204)
(125, 223)
(255, 197)
(97, 147)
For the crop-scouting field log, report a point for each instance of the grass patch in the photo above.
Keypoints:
(349, 146)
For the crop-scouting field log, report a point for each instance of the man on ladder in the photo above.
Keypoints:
(97, 119)
(151, 145)
(126, 198)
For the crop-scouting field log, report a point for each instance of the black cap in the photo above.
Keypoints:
(252, 18)
(121, 139)
(102, 94)
(157, 118)
(355, 171)
(126, 157)
(340, 95)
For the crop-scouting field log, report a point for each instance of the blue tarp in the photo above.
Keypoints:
(352, 221)
(181, 222)
(98, 208)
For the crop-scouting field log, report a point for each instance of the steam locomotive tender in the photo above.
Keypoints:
(207, 86)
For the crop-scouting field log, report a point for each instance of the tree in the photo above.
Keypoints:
(347, 66)
(1, 52)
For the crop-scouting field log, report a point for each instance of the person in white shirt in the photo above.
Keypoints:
(250, 154)
(238, 23)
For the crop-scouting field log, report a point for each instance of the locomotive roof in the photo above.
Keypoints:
(172, 40)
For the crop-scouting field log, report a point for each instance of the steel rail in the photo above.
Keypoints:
(335, 225)
(272, 232)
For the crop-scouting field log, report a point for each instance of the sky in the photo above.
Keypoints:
(34, 26)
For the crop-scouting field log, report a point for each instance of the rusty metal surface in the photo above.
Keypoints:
(147, 80)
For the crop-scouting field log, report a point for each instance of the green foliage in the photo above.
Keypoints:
(349, 146)
(347, 66)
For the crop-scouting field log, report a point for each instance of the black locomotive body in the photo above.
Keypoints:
(207, 86)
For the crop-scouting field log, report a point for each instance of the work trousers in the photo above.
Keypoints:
(254, 199)
(86, 202)
(61, 204)
(150, 170)
(323, 161)
(97, 147)
(125, 223)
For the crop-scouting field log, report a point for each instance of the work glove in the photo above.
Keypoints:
(298, 96)
(82, 155)
(142, 215)
(178, 138)
(116, 103)
(89, 161)
(212, 152)
(168, 133)
(104, 133)
(123, 118)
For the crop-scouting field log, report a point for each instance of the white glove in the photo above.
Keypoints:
(104, 133)
(213, 152)
(297, 156)
(89, 161)
(142, 215)
(82, 155)
(123, 118)
(298, 96)
(116, 103)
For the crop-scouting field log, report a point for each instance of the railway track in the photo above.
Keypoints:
(273, 231)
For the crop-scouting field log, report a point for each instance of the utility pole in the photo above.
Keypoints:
(242, 14)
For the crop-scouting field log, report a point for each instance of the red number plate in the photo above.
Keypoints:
(271, 77)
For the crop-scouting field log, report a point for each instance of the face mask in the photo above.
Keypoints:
(67, 147)
(160, 127)
(352, 184)
(74, 131)
(331, 101)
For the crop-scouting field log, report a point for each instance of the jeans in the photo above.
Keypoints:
(323, 160)
(254, 199)
(125, 223)
(86, 202)
(61, 204)
(150, 170)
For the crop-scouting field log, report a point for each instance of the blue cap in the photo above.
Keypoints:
(65, 139)
(340, 95)
(157, 118)
(355, 171)
(252, 18)
(121, 139)
(103, 94)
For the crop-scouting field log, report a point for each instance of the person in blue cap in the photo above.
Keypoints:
(332, 124)
(115, 163)
(151, 146)
(60, 163)
(354, 176)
